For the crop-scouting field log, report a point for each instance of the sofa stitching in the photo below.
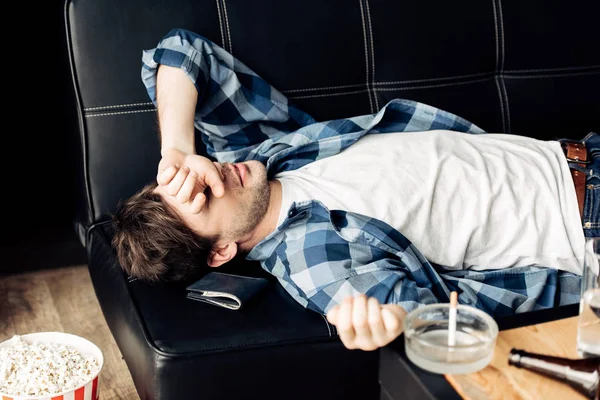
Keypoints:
(497, 71)
(392, 89)
(362, 16)
(118, 106)
(502, 51)
(507, 107)
(221, 24)
(552, 75)
(118, 113)
(496, 35)
(322, 88)
(433, 79)
(372, 55)
(497, 79)
(434, 86)
(501, 72)
(227, 24)
(507, 74)
(329, 94)
(552, 69)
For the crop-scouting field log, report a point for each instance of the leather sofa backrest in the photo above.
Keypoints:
(523, 67)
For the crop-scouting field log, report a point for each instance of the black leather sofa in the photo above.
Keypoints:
(525, 67)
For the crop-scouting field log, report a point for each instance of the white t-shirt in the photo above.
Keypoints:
(481, 202)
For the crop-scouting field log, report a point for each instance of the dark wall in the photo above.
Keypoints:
(39, 159)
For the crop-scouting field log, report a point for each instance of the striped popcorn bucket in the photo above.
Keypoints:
(87, 391)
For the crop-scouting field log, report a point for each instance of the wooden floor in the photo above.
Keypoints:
(63, 299)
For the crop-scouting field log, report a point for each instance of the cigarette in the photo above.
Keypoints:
(452, 319)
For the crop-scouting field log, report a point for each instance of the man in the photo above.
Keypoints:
(362, 219)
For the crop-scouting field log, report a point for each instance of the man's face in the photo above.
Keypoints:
(237, 212)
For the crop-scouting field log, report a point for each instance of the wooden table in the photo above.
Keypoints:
(501, 381)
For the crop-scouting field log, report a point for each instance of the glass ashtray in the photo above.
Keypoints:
(426, 339)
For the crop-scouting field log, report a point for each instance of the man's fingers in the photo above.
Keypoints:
(397, 310)
(164, 176)
(187, 189)
(344, 326)
(391, 322)
(376, 322)
(213, 179)
(198, 203)
(177, 181)
(332, 314)
(359, 317)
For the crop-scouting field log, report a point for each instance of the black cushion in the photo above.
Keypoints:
(271, 348)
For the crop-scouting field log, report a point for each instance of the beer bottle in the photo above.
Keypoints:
(583, 374)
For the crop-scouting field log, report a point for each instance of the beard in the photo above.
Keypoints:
(256, 203)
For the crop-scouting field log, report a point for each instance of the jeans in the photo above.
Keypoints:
(591, 206)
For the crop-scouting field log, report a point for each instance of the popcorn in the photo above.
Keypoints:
(43, 369)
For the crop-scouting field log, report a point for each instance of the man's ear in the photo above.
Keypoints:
(220, 254)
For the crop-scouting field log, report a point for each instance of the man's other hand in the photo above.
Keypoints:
(363, 323)
(187, 176)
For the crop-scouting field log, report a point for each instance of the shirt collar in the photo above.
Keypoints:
(297, 212)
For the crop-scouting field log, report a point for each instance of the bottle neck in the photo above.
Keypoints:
(585, 364)
(582, 375)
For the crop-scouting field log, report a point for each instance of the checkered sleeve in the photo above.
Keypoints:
(385, 279)
(382, 280)
(514, 290)
(339, 254)
(237, 111)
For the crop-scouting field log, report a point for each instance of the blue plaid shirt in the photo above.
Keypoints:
(320, 256)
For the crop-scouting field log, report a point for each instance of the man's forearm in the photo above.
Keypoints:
(176, 98)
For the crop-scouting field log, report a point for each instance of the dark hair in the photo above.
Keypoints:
(151, 241)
